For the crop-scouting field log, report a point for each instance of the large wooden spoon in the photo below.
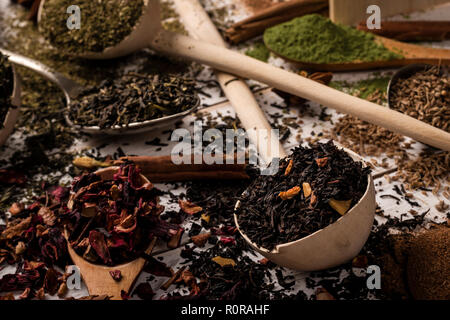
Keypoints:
(412, 54)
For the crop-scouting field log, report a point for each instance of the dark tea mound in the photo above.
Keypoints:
(6, 87)
(114, 221)
(133, 98)
(313, 188)
(103, 24)
(428, 267)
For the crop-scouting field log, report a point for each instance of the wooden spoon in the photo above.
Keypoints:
(412, 54)
(97, 278)
(149, 33)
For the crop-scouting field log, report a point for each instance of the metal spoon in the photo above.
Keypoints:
(148, 32)
(71, 89)
(404, 73)
(13, 113)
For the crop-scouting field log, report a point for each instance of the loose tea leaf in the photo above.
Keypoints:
(270, 215)
(6, 87)
(133, 98)
(103, 23)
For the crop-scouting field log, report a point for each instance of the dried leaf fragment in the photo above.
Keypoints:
(201, 239)
(289, 167)
(116, 275)
(323, 294)
(89, 210)
(340, 206)
(47, 215)
(16, 208)
(286, 195)
(188, 207)
(224, 261)
(306, 189)
(16, 230)
(321, 162)
(62, 291)
(205, 217)
(20, 248)
(89, 163)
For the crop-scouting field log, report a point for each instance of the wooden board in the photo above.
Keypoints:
(352, 12)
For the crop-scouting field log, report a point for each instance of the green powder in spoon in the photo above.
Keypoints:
(103, 23)
(316, 39)
(6, 87)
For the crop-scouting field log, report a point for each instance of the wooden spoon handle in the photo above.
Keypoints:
(236, 63)
(241, 97)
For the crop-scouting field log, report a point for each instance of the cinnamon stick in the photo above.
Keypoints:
(162, 169)
(276, 14)
(411, 30)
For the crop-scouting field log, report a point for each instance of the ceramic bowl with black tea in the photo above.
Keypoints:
(330, 246)
(11, 111)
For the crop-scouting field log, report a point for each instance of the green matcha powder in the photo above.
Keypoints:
(316, 39)
(103, 23)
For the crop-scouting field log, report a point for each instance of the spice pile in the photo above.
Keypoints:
(113, 221)
(415, 264)
(315, 39)
(6, 87)
(312, 189)
(133, 98)
(104, 24)
(425, 95)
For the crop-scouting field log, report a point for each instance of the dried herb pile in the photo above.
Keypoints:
(312, 189)
(316, 39)
(6, 87)
(425, 95)
(133, 98)
(32, 238)
(113, 221)
(103, 23)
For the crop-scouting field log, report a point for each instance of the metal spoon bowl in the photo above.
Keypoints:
(71, 89)
(331, 246)
(404, 73)
(13, 113)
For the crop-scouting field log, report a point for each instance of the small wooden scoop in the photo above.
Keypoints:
(97, 278)
(412, 54)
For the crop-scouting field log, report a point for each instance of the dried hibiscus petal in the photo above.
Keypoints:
(98, 243)
(116, 275)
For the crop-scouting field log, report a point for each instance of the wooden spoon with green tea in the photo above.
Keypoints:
(411, 53)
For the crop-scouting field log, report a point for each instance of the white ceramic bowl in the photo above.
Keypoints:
(331, 246)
